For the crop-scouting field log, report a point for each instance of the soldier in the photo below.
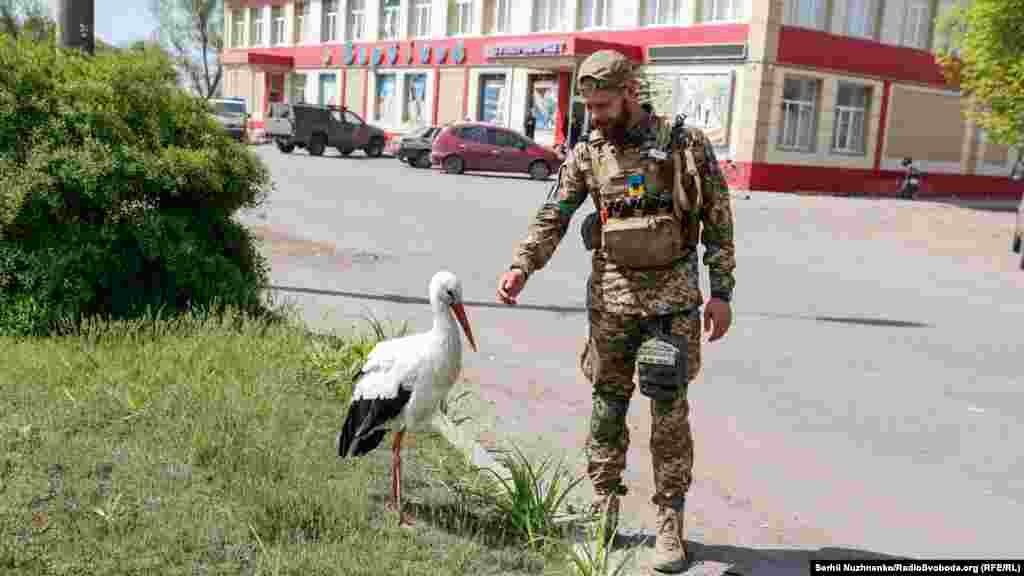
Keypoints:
(658, 190)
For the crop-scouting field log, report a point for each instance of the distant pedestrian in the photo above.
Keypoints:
(530, 125)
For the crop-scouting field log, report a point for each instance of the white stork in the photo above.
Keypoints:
(404, 380)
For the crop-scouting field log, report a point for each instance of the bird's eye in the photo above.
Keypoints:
(451, 295)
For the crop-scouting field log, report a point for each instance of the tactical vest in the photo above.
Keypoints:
(640, 234)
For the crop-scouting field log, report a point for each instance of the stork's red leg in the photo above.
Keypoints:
(398, 476)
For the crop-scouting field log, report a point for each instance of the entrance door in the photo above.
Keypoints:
(276, 88)
(542, 102)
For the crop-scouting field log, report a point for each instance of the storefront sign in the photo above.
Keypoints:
(526, 50)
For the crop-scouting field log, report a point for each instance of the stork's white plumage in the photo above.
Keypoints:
(404, 380)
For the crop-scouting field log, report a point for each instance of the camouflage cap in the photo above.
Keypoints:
(604, 70)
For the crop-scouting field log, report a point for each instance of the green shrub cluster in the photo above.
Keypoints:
(117, 192)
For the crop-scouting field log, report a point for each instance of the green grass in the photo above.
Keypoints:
(206, 446)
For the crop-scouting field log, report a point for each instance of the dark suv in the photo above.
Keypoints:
(316, 128)
(479, 146)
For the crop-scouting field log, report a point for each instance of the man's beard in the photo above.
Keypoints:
(617, 129)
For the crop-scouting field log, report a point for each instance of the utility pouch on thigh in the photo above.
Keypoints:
(661, 366)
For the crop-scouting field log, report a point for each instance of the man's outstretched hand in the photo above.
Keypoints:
(510, 285)
(717, 318)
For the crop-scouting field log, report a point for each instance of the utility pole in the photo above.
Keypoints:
(75, 22)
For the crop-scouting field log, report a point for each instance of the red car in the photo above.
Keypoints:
(484, 147)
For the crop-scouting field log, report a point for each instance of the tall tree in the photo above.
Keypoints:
(28, 18)
(192, 31)
(985, 58)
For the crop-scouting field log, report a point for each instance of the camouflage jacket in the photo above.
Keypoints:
(617, 289)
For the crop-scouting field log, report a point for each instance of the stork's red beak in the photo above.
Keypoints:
(460, 315)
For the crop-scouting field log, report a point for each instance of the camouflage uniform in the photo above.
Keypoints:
(622, 301)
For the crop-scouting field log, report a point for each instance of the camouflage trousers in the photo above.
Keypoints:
(609, 362)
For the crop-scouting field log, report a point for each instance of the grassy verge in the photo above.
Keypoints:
(206, 446)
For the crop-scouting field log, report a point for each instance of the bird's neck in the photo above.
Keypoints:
(445, 326)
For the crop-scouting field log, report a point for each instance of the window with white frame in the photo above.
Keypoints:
(419, 23)
(256, 27)
(799, 114)
(722, 10)
(664, 12)
(390, 11)
(805, 13)
(356, 19)
(329, 27)
(503, 19)
(943, 39)
(549, 16)
(860, 18)
(460, 17)
(916, 21)
(596, 13)
(302, 21)
(850, 127)
(277, 25)
(237, 29)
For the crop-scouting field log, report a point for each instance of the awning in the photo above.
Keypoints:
(258, 59)
(554, 53)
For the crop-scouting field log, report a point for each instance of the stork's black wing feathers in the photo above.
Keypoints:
(361, 431)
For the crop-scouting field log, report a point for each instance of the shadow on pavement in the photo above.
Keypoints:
(743, 561)
(1000, 205)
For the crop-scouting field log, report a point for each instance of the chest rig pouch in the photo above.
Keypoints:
(661, 361)
(632, 236)
(646, 203)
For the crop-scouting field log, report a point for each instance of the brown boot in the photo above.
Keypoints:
(669, 546)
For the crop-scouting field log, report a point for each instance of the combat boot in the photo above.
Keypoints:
(606, 503)
(670, 547)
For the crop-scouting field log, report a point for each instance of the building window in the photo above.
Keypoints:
(852, 103)
(298, 94)
(419, 23)
(356, 19)
(664, 12)
(256, 31)
(596, 13)
(549, 16)
(806, 13)
(328, 89)
(329, 27)
(943, 40)
(390, 11)
(384, 104)
(915, 23)
(497, 16)
(799, 103)
(860, 18)
(277, 25)
(460, 17)
(302, 21)
(414, 105)
(722, 10)
(237, 29)
(493, 99)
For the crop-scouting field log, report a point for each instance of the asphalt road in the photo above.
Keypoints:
(869, 395)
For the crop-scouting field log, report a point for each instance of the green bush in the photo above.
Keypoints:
(117, 191)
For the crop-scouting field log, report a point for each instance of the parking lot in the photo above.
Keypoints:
(868, 396)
